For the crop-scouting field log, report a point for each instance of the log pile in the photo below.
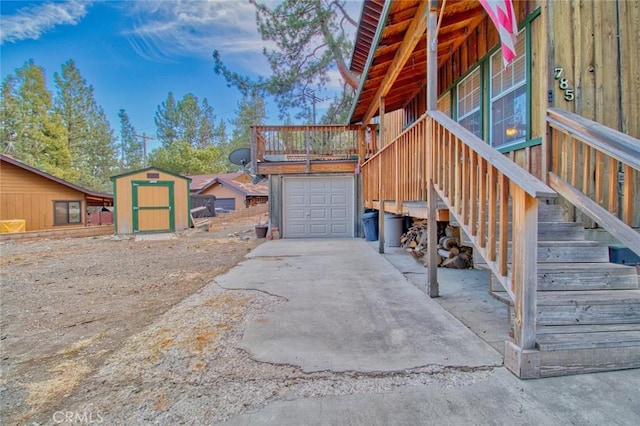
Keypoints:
(451, 254)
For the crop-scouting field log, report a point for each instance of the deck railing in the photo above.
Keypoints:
(485, 192)
(304, 143)
(597, 169)
(400, 168)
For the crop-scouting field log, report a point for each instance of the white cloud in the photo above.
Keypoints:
(166, 29)
(31, 22)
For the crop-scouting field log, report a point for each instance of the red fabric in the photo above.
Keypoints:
(504, 18)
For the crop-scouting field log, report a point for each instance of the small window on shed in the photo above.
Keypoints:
(67, 212)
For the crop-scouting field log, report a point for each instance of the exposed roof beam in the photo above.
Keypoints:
(413, 35)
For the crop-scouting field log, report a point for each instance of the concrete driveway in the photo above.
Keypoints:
(348, 309)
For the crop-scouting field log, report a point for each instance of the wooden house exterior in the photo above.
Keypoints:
(42, 201)
(233, 191)
(523, 158)
(151, 200)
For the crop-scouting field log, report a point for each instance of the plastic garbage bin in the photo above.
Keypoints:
(370, 224)
(392, 230)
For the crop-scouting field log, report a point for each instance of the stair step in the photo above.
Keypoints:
(570, 251)
(582, 349)
(588, 338)
(560, 231)
(586, 276)
(588, 307)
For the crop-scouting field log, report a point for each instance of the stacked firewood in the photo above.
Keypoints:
(451, 254)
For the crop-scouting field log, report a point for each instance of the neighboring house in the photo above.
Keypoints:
(522, 157)
(43, 201)
(233, 191)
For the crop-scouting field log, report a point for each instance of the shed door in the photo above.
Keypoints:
(318, 207)
(153, 209)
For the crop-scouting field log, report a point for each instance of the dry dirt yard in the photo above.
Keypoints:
(110, 330)
(68, 304)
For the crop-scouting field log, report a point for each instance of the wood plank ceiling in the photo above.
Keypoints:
(460, 19)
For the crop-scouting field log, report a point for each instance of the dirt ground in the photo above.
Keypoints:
(68, 304)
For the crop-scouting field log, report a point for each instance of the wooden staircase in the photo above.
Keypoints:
(588, 309)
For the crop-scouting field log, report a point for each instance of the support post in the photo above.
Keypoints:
(381, 143)
(432, 101)
(525, 256)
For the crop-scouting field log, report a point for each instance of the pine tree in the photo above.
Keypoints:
(310, 41)
(250, 111)
(167, 121)
(89, 135)
(31, 131)
(131, 155)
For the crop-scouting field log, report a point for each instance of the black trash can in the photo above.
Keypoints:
(370, 224)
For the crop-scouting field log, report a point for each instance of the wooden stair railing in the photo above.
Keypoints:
(597, 170)
(400, 167)
(478, 184)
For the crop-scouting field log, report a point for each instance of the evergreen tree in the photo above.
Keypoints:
(89, 135)
(206, 127)
(167, 121)
(250, 111)
(131, 155)
(31, 131)
(182, 158)
(310, 41)
(190, 118)
(188, 121)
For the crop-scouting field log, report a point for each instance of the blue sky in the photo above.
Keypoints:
(135, 52)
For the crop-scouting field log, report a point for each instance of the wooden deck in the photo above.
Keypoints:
(307, 149)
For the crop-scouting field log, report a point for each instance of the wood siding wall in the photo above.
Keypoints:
(582, 37)
(123, 200)
(597, 43)
(25, 195)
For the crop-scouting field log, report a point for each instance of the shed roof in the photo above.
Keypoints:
(98, 196)
(133, 172)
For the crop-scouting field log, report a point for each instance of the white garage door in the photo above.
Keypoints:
(318, 207)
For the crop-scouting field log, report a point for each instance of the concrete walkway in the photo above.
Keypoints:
(350, 309)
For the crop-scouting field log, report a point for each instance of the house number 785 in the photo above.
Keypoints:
(563, 84)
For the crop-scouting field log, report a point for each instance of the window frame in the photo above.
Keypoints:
(474, 110)
(482, 63)
(524, 83)
(68, 221)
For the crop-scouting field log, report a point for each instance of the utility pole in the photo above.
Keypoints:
(144, 146)
(312, 95)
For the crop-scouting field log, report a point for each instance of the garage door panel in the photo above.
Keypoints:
(318, 200)
(296, 185)
(338, 214)
(317, 214)
(338, 199)
(297, 200)
(318, 229)
(338, 229)
(339, 185)
(297, 214)
(320, 207)
(317, 184)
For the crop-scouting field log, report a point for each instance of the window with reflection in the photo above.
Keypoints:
(468, 110)
(508, 97)
(67, 212)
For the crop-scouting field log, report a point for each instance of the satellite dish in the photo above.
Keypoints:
(240, 157)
